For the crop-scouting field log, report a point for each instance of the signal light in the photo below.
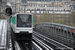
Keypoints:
(73, 31)
(69, 30)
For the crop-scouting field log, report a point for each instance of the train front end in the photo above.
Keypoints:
(24, 27)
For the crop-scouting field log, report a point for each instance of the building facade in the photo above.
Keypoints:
(2, 5)
(72, 5)
(43, 6)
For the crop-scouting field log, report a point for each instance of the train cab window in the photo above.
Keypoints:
(24, 20)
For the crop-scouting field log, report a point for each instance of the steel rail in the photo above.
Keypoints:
(46, 47)
(54, 41)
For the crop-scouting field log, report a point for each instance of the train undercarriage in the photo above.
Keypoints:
(23, 36)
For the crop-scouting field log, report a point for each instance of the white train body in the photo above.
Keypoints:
(22, 24)
(19, 29)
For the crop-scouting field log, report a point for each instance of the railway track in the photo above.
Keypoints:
(51, 43)
(40, 42)
(23, 45)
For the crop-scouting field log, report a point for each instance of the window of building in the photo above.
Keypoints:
(48, 11)
(52, 0)
(38, 9)
(34, 11)
(30, 11)
(58, 0)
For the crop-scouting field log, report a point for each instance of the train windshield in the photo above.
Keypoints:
(24, 20)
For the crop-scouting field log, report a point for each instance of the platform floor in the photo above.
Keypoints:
(3, 34)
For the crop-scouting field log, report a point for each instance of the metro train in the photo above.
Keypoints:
(22, 26)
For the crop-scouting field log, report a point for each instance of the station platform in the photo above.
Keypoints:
(3, 34)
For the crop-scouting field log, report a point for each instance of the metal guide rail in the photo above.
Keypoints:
(21, 45)
(42, 44)
(3, 34)
(54, 45)
(59, 32)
